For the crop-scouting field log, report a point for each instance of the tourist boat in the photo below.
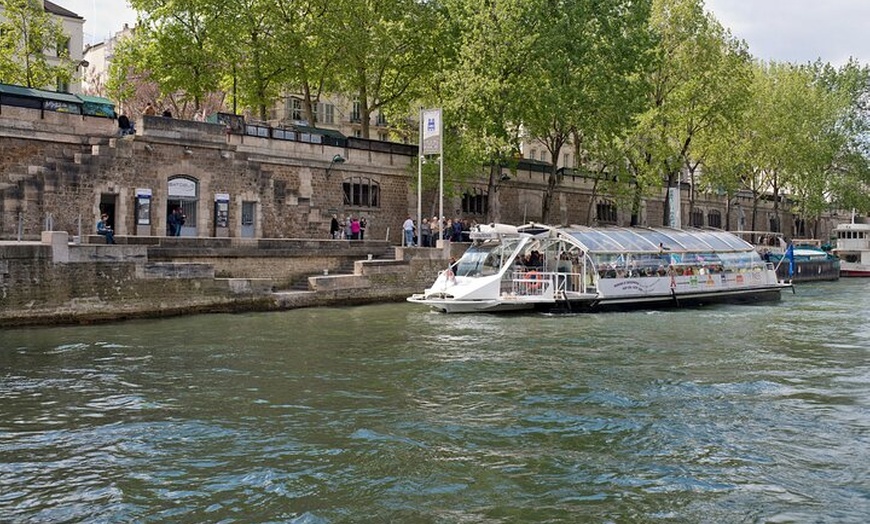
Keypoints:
(853, 249)
(578, 268)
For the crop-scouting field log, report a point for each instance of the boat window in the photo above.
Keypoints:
(631, 241)
(485, 259)
(594, 240)
(626, 240)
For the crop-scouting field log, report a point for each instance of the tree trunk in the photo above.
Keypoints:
(546, 205)
(493, 213)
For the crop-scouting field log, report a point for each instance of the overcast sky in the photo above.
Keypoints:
(796, 31)
(799, 31)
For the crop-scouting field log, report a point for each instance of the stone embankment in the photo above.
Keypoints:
(59, 282)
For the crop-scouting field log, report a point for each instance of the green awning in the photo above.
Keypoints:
(318, 131)
(40, 99)
(97, 106)
(29, 92)
(96, 99)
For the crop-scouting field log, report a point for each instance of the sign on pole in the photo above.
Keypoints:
(431, 125)
(431, 128)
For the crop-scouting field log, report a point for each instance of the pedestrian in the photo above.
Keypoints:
(456, 234)
(425, 233)
(149, 110)
(363, 224)
(333, 228)
(408, 230)
(176, 220)
(104, 229)
(354, 228)
(125, 127)
(435, 226)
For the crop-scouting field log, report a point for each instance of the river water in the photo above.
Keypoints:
(393, 413)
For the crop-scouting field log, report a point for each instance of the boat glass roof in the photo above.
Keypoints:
(621, 239)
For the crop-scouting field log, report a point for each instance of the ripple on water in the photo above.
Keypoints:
(722, 414)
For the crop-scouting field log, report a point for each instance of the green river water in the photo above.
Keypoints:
(393, 413)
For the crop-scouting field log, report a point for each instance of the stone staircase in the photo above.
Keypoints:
(345, 268)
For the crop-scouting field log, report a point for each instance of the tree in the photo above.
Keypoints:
(385, 50)
(849, 174)
(311, 33)
(698, 82)
(586, 70)
(484, 85)
(28, 37)
(175, 46)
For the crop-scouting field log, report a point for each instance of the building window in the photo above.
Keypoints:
(382, 120)
(532, 154)
(714, 219)
(566, 160)
(800, 228)
(355, 113)
(697, 218)
(606, 212)
(296, 110)
(384, 137)
(543, 156)
(325, 113)
(361, 192)
(474, 202)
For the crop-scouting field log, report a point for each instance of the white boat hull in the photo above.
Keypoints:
(502, 274)
(598, 302)
(854, 270)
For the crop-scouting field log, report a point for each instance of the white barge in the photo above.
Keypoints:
(579, 268)
(853, 248)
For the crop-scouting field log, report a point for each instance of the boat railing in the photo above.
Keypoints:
(544, 283)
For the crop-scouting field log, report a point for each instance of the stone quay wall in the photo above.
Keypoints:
(58, 282)
(59, 171)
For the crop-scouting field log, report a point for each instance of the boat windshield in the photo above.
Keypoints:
(485, 259)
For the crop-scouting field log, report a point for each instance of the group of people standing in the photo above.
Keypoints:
(348, 228)
(430, 230)
(151, 111)
(175, 221)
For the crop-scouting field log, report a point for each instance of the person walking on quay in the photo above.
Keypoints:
(408, 229)
(333, 228)
(354, 228)
(363, 224)
(104, 229)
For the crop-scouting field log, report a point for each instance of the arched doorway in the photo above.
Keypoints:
(183, 193)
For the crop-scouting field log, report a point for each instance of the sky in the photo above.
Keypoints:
(797, 31)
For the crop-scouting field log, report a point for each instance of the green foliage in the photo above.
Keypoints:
(28, 36)
(698, 83)
(639, 89)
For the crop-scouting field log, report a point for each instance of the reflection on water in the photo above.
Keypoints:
(394, 413)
